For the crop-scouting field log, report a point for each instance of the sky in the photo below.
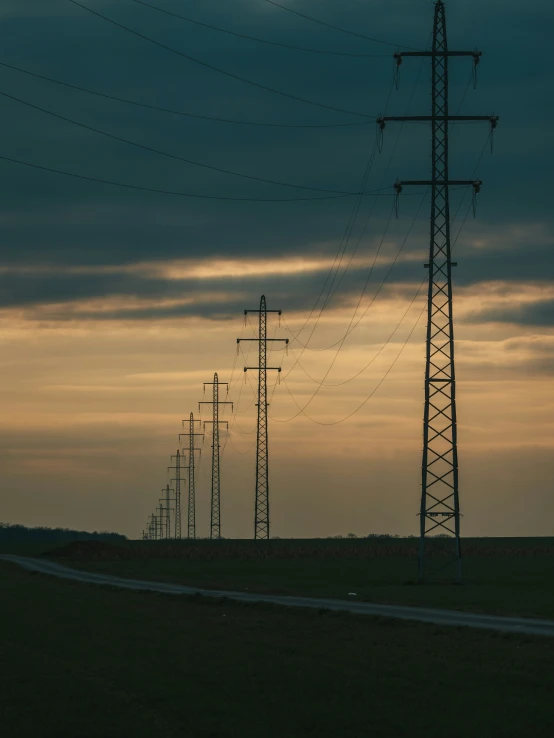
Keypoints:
(118, 303)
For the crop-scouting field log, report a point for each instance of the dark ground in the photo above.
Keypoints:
(80, 660)
(501, 576)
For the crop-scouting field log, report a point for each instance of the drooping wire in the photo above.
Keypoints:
(366, 400)
(218, 69)
(305, 345)
(166, 154)
(332, 274)
(251, 38)
(352, 324)
(342, 247)
(236, 405)
(166, 192)
(364, 313)
(183, 112)
(302, 410)
(356, 207)
(341, 344)
(337, 28)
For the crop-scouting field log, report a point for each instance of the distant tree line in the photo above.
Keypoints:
(9, 533)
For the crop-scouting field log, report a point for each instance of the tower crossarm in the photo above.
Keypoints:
(285, 340)
(493, 119)
(279, 312)
(439, 52)
(439, 182)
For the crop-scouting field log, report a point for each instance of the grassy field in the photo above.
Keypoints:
(79, 660)
(502, 576)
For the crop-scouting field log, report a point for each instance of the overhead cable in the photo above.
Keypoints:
(251, 38)
(372, 393)
(343, 339)
(160, 152)
(337, 28)
(184, 113)
(350, 226)
(351, 327)
(218, 69)
(166, 192)
(344, 241)
(364, 313)
(301, 411)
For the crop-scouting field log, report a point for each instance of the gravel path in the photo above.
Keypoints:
(425, 615)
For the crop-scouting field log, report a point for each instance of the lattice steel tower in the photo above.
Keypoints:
(191, 532)
(177, 479)
(166, 511)
(261, 519)
(215, 514)
(440, 507)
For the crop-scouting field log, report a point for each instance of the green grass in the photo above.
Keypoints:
(510, 577)
(79, 660)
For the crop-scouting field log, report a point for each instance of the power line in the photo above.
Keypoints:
(344, 240)
(183, 113)
(218, 69)
(351, 327)
(169, 192)
(343, 339)
(366, 400)
(295, 334)
(252, 38)
(337, 28)
(160, 152)
(302, 409)
(350, 227)
(360, 318)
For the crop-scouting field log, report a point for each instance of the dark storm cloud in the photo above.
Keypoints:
(49, 219)
(537, 314)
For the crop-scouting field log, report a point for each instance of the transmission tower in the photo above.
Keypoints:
(162, 527)
(261, 520)
(215, 515)
(192, 497)
(177, 479)
(440, 508)
(166, 508)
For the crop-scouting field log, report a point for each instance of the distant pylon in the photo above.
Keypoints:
(179, 466)
(191, 533)
(162, 525)
(440, 508)
(166, 501)
(215, 513)
(261, 518)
